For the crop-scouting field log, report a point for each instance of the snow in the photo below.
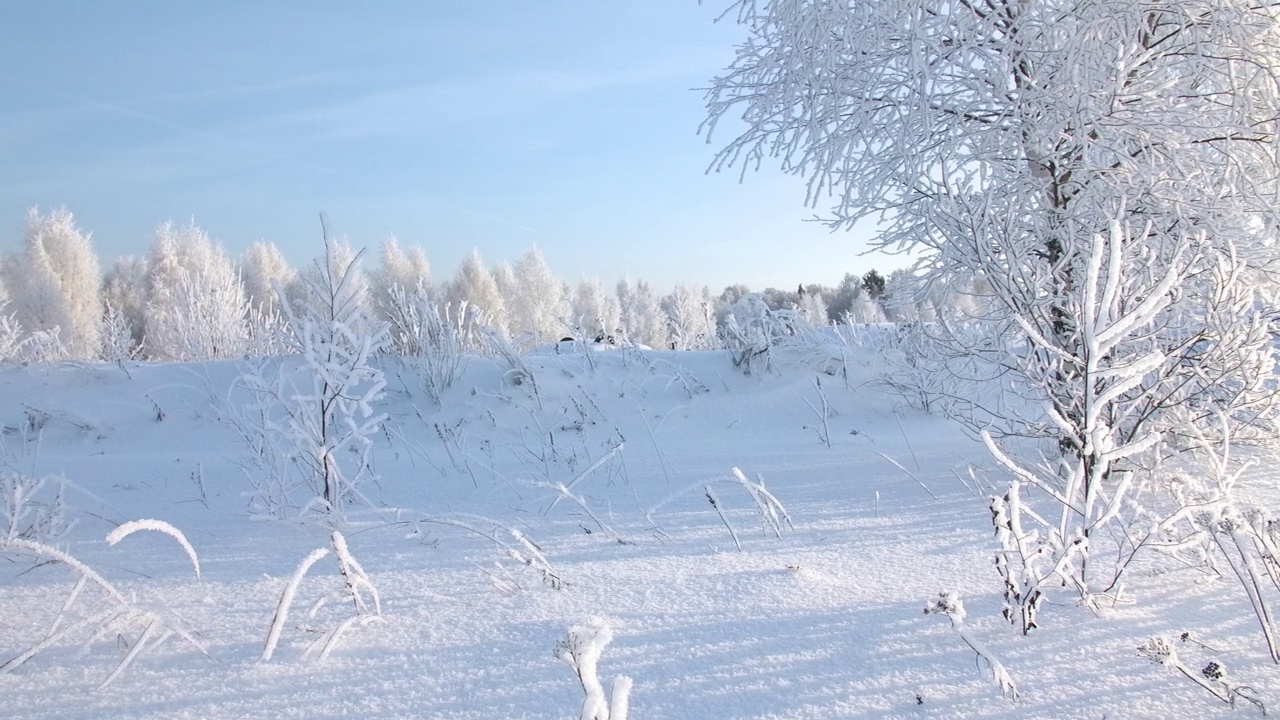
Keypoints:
(824, 618)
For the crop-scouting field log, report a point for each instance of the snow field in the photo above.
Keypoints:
(826, 621)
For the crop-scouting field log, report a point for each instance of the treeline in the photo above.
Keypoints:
(188, 300)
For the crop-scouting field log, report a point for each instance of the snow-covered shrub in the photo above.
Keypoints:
(33, 508)
(118, 342)
(431, 339)
(1209, 526)
(124, 289)
(357, 592)
(754, 334)
(1157, 364)
(267, 333)
(317, 407)
(44, 346)
(920, 363)
(95, 610)
(277, 489)
(581, 650)
(13, 343)
(327, 398)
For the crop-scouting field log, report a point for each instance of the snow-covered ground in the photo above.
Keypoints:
(825, 621)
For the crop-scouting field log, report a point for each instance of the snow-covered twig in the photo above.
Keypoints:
(1212, 677)
(715, 503)
(159, 526)
(950, 605)
(580, 650)
(773, 515)
(911, 475)
(123, 611)
(356, 585)
(824, 414)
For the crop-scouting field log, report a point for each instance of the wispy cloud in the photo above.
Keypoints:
(420, 106)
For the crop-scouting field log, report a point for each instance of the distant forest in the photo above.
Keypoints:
(188, 300)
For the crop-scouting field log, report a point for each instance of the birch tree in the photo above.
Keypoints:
(538, 305)
(472, 285)
(261, 267)
(1108, 169)
(196, 307)
(54, 286)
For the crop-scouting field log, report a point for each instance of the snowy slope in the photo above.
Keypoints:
(826, 621)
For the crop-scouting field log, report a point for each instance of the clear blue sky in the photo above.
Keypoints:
(571, 125)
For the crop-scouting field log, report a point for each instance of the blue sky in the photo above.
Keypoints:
(452, 125)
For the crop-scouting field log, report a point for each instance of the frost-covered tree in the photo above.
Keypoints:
(842, 298)
(538, 306)
(691, 318)
(196, 306)
(903, 297)
(865, 309)
(640, 313)
(124, 290)
(263, 266)
(1108, 168)
(813, 307)
(473, 285)
(407, 270)
(777, 299)
(54, 285)
(595, 312)
(402, 268)
(327, 401)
